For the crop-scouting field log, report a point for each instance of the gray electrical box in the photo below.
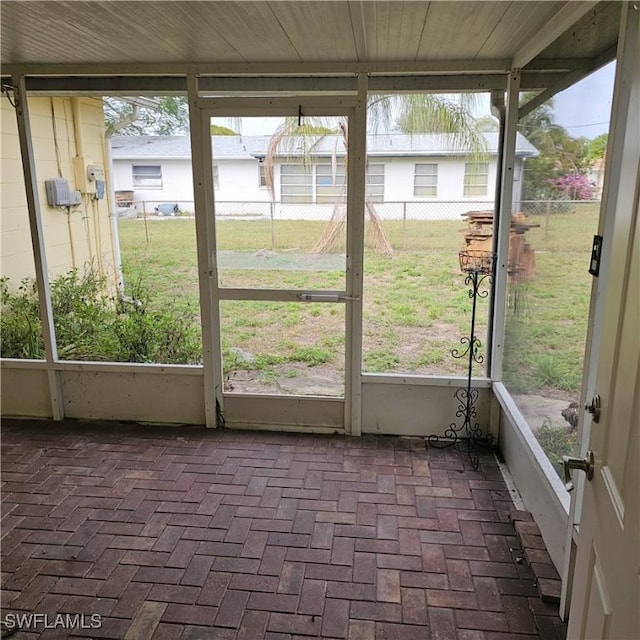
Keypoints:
(58, 193)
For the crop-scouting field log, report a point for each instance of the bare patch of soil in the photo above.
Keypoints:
(540, 409)
(293, 378)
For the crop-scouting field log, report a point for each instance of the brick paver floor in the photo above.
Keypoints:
(170, 533)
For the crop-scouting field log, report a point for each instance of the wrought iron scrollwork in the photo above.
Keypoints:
(478, 265)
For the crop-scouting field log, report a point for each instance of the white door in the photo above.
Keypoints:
(605, 597)
(283, 289)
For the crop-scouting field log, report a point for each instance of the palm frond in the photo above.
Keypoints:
(429, 113)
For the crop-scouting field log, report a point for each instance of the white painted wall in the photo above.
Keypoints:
(75, 237)
(399, 179)
(239, 191)
(239, 180)
(177, 182)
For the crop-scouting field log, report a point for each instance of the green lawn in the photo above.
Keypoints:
(416, 305)
(546, 329)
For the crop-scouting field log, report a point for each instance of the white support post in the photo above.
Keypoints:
(37, 242)
(503, 225)
(357, 171)
(206, 267)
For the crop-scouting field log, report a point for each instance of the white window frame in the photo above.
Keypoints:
(425, 180)
(375, 190)
(476, 179)
(146, 176)
(216, 177)
(328, 186)
(301, 192)
(262, 176)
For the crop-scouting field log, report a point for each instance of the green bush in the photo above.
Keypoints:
(90, 325)
(20, 329)
(556, 441)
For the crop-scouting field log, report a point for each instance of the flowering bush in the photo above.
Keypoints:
(573, 186)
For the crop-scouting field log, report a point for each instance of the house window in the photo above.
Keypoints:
(147, 176)
(425, 180)
(330, 183)
(296, 185)
(476, 178)
(375, 182)
(216, 177)
(262, 176)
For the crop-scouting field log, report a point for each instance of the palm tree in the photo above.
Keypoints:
(411, 114)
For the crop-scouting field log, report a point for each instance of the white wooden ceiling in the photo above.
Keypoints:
(301, 32)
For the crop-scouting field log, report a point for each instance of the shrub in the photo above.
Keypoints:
(90, 325)
(556, 441)
(20, 329)
(573, 186)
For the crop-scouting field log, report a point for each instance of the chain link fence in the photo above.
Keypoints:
(393, 210)
(408, 225)
(387, 210)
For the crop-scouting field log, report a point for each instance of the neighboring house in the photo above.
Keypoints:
(423, 171)
(67, 135)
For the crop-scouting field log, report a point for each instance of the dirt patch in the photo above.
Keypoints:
(290, 379)
(540, 409)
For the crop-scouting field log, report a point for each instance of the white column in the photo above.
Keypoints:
(37, 242)
(205, 241)
(357, 168)
(503, 225)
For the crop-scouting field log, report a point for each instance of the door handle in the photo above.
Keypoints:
(325, 297)
(582, 464)
(319, 297)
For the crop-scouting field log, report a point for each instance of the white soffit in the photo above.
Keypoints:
(122, 36)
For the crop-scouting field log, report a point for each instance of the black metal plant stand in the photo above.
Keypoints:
(478, 265)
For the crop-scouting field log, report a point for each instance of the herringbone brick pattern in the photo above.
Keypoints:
(188, 534)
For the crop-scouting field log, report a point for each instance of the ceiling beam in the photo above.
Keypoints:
(557, 64)
(530, 81)
(563, 20)
(107, 85)
(493, 65)
(416, 83)
(274, 85)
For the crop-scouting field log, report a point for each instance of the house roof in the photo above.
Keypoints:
(134, 147)
(248, 147)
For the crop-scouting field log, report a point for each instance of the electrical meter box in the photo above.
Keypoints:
(95, 173)
(58, 193)
(86, 174)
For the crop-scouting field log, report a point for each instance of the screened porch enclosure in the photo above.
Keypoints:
(369, 333)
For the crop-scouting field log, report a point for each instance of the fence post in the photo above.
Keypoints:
(273, 231)
(404, 225)
(546, 223)
(144, 216)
